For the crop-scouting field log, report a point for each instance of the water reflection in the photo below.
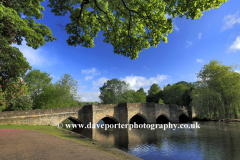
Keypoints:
(208, 142)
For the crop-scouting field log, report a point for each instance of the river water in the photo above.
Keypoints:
(208, 142)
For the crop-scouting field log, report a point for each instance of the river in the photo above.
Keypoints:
(207, 142)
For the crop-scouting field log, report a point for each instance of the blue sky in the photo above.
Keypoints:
(191, 45)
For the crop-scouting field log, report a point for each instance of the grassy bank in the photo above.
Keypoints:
(66, 134)
(87, 103)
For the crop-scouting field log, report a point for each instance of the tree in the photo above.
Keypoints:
(218, 91)
(127, 96)
(206, 102)
(20, 103)
(12, 67)
(107, 96)
(66, 88)
(186, 97)
(36, 80)
(173, 94)
(160, 101)
(154, 89)
(34, 33)
(115, 91)
(10, 60)
(129, 25)
(156, 97)
(140, 96)
(177, 91)
(58, 95)
(182, 82)
(12, 63)
(138, 15)
(48, 98)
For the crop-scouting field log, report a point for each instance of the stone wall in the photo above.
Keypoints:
(38, 116)
(162, 109)
(108, 110)
(85, 114)
(140, 109)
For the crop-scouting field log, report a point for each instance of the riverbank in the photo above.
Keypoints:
(219, 120)
(227, 120)
(58, 141)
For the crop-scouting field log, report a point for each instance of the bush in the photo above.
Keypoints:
(160, 101)
(22, 103)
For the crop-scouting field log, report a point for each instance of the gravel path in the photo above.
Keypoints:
(17, 144)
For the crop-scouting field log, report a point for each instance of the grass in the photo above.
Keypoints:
(87, 103)
(66, 134)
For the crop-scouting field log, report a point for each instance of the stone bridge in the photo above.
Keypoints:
(123, 113)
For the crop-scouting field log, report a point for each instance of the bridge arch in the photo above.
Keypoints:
(162, 118)
(183, 118)
(138, 118)
(73, 119)
(108, 120)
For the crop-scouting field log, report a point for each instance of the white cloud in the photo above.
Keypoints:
(145, 67)
(189, 43)
(92, 71)
(54, 78)
(175, 27)
(146, 90)
(35, 57)
(199, 61)
(230, 20)
(137, 82)
(82, 87)
(95, 88)
(237, 71)
(100, 81)
(86, 96)
(199, 35)
(193, 76)
(88, 78)
(235, 46)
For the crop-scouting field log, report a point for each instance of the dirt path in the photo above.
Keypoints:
(17, 144)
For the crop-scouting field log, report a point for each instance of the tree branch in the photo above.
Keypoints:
(129, 29)
(135, 12)
(121, 10)
(103, 12)
(128, 8)
(103, 23)
(146, 13)
(79, 17)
